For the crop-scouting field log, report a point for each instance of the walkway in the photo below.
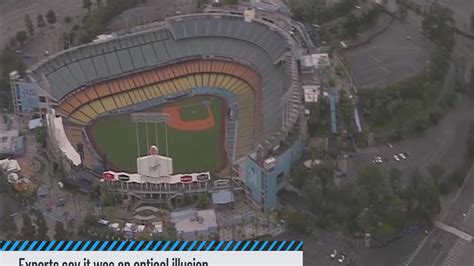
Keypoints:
(453, 231)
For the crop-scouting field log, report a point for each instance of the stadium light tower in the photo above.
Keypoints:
(147, 118)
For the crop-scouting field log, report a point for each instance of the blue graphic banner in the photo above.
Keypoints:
(27, 93)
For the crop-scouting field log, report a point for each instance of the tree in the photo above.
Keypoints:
(363, 220)
(42, 228)
(68, 20)
(51, 17)
(351, 25)
(298, 222)
(8, 225)
(40, 21)
(371, 193)
(402, 9)
(21, 36)
(87, 4)
(436, 171)
(313, 194)
(203, 201)
(28, 231)
(29, 25)
(59, 232)
(438, 24)
(395, 174)
(428, 202)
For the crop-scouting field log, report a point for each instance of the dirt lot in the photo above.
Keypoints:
(12, 14)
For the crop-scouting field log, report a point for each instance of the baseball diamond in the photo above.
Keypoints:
(195, 145)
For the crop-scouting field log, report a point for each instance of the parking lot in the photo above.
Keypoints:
(396, 54)
(152, 11)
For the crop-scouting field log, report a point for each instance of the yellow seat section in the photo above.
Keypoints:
(175, 83)
(212, 80)
(191, 81)
(133, 98)
(225, 81)
(139, 97)
(126, 98)
(178, 84)
(155, 90)
(198, 78)
(119, 100)
(184, 83)
(241, 88)
(143, 95)
(148, 93)
(151, 91)
(74, 120)
(205, 79)
(219, 80)
(81, 117)
(232, 83)
(108, 103)
(97, 106)
(170, 87)
(87, 110)
(161, 88)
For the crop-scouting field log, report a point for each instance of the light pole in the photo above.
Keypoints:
(151, 118)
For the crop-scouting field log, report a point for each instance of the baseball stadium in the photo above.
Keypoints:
(216, 92)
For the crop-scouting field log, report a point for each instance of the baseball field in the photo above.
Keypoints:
(194, 135)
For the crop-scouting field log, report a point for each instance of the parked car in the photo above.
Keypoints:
(395, 157)
(333, 254)
(401, 155)
(341, 258)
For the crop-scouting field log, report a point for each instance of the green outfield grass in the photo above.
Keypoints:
(191, 151)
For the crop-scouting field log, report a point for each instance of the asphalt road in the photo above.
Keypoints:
(443, 248)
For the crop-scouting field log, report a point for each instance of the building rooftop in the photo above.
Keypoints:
(192, 220)
(223, 197)
(311, 93)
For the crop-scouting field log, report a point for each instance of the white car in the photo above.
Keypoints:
(333, 254)
(390, 145)
(341, 258)
(395, 157)
(401, 155)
